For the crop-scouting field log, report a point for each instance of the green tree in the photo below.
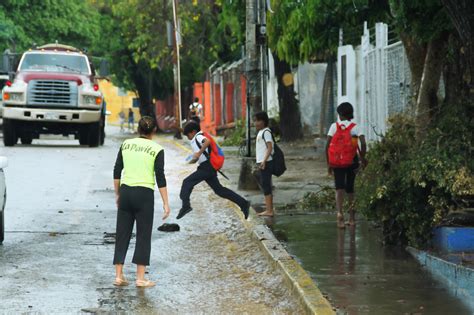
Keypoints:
(308, 30)
(437, 35)
(39, 22)
(135, 40)
(129, 43)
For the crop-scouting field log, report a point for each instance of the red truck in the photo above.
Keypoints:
(55, 91)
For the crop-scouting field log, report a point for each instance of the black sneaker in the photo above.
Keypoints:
(183, 212)
(246, 210)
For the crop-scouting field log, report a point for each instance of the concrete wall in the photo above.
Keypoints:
(272, 89)
(347, 52)
(309, 89)
(309, 82)
(116, 102)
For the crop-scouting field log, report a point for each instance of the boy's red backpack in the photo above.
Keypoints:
(342, 150)
(216, 155)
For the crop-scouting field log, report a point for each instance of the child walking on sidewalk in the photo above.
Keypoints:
(201, 147)
(344, 157)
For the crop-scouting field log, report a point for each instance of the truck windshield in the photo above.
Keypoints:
(54, 63)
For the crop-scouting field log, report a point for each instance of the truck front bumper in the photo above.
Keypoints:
(78, 116)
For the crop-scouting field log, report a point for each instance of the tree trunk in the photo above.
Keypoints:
(427, 100)
(290, 119)
(416, 54)
(453, 73)
(142, 85)
(461, 13)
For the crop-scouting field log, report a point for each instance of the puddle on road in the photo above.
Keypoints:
(359, 275)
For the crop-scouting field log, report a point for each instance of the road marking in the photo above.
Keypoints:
(179, 145)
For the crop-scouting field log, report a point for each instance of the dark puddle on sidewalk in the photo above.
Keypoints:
(358, 274)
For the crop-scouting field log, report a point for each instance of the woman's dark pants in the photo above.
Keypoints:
(136, 204)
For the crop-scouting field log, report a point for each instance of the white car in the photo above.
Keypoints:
(3, 196)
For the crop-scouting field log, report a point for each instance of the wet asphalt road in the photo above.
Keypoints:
(57, 259)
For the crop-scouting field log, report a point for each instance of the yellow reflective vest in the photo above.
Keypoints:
(139, 156)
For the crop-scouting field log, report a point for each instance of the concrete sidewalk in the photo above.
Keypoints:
(306, 172)
(219, 260)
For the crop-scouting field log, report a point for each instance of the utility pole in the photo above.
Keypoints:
(255, 33)
(255, 58)
(177, 67)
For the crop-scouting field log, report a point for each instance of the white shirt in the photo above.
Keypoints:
(200, 138)
(196, 107)
(263, 137)
(354, 131)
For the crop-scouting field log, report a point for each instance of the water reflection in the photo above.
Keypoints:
(342, 243)
(359, 274)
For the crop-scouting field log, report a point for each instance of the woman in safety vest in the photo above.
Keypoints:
(139, 162)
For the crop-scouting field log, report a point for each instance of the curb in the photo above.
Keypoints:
(302, 285)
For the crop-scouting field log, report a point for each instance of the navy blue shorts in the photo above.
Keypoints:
(345, 178)
(266, 178)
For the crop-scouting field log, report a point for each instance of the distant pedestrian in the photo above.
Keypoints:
(202, 148)
(140, 162)
(196, 111)
(122, 120)
(344, 158)
(131, 119)
(264, 157)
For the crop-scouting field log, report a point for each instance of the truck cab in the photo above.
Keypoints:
(54, 92)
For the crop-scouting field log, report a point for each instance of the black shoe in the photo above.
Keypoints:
(246, 210)
(169, 227)
(183, 212)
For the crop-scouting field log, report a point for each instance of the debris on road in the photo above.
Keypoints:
(169, 227)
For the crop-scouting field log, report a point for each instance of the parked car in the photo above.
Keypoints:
(3, 197)
(3, 81)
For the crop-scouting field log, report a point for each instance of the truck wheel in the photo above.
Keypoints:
(102, 131)
(10, 137)
(83, 137)
(2, 214)
(2, 226)
(94, 135)
(26, 140)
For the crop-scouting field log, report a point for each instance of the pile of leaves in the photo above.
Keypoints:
(320, 200)
(410, 185)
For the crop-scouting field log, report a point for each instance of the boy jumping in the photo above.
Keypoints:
(344, 157)
(205, 172)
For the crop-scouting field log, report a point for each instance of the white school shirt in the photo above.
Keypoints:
(197, 107)
(263, 137)
(354, 131)
(200, 138)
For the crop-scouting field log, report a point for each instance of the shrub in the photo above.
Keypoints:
(236, 134)
(410, 186)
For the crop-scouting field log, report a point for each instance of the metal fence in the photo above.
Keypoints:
(398, 78)
(381, 80)
(227, 95)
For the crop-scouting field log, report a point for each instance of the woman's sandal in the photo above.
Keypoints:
(120, 282)
(340, 221)
(145, 283)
